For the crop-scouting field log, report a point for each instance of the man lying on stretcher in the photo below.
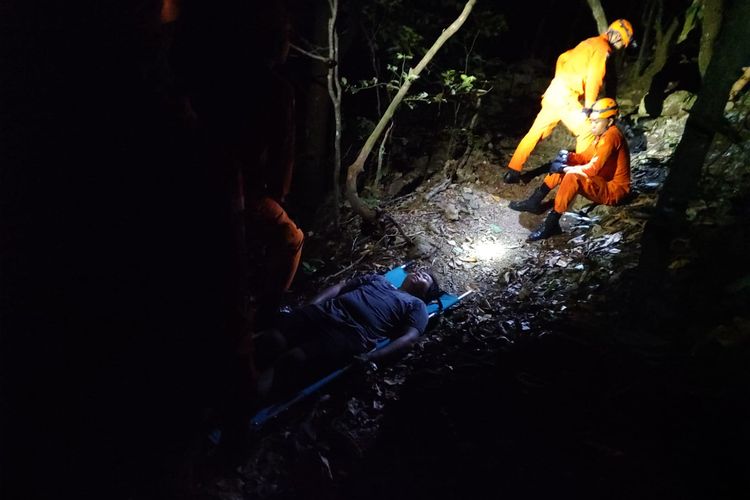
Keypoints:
(344, 321)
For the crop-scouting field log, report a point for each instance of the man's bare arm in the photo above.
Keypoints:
(328, 293)
(397, 348)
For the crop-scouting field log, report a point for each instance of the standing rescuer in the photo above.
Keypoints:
(266, 151)
(579, 74)
(601, 173)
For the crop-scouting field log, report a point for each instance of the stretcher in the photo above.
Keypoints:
(396, 277)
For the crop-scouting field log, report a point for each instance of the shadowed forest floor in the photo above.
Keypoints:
(544, 381)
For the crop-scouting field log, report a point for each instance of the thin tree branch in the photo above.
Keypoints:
(359, 164)
(311, 55)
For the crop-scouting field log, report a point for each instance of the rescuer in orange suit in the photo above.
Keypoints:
(266, 178)
(170, 10)
(579, 74)
(601, 173)
(245, 115)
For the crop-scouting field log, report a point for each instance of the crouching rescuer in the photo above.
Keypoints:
(601, 172)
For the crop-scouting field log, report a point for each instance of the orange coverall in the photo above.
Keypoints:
(267, 157)
(170, 9)
(608, 180)
(579, 73)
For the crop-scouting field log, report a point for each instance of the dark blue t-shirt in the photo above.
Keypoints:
(370, 307)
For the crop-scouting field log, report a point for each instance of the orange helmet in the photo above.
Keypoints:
(624, 28)
(604, 108)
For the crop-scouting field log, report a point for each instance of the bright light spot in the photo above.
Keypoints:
(489, 250)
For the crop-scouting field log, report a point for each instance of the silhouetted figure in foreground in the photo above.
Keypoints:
(266, 158)
(114, 256)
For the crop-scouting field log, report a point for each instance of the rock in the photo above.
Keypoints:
(422, 247)
(472, 201)
(508, 143)
(420, 163)
(450, 211)
(572, 220)
(625, 103)
(678, 103)
(642, 107)
(433, 228)
(530, 221)
(579, 203)
(396, 185)
(600, 211)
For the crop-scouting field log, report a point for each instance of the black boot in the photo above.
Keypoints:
(550, 227)
(512, 177)
(533, 203)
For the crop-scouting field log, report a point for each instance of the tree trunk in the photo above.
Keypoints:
(381, 155)
(334, 91)
(681, 185)
(710, 26)
(664, 43)
(371, 44)
(314, 145)
(598, 11)
(648, 22)
(359, 164)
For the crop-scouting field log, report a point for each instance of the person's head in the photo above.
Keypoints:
(170, 10)
(422, 284)
(620, 34)
(603, 114)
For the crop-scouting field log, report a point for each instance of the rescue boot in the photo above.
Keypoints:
(533, 203)
(550, 227)
(512, 176)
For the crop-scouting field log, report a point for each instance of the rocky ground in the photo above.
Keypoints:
(474, 386)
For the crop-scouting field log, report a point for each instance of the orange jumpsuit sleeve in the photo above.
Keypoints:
(607, 149)
(612, 165)
(581, 70)
(580, 158)
(604, 148)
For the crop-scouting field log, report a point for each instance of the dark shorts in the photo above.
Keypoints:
(326, 347)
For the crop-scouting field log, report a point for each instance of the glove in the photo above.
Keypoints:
(557, 167)
(562, 156)
(587, 112)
